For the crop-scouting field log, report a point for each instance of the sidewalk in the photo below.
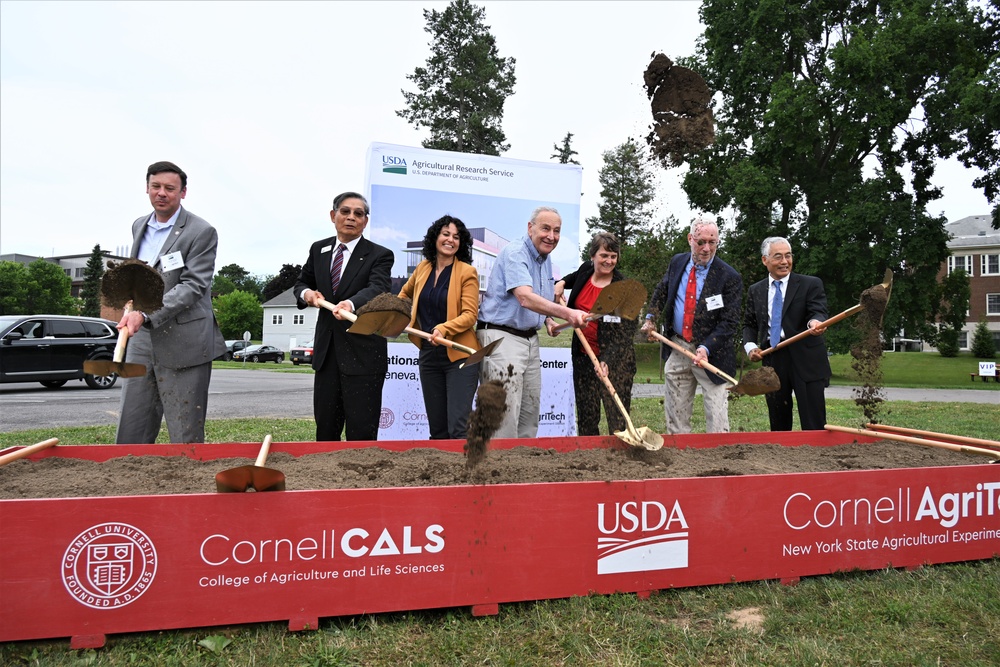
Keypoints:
(984, 396)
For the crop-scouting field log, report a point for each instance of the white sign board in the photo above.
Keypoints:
(404, 416)
(988, 368)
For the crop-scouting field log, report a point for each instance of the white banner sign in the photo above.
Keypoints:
(404, 416)
(988, 368)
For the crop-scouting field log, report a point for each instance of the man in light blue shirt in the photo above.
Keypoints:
(519, 300)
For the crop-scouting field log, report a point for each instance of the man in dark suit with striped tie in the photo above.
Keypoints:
(350, 368)
(777, 308)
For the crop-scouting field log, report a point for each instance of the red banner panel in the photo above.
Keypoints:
(87, 567)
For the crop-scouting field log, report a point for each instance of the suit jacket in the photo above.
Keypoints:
(805, 300)
(366, 275)
(614, 339)
(463, 305)
(715, 329)
(184, 332)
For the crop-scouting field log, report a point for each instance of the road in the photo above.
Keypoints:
(236, 394)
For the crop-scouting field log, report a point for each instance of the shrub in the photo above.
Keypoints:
(983, 346)
(947, 343)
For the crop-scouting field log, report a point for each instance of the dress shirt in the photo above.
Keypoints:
(154, 236)
(700, 273)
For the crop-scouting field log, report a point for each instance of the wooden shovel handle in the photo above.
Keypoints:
(265, 449)
(27, 451)
(885, 435)
(607, 383)
(933, 434)
(688, 353)
(323, 303)
(808, 332)
(119, 354)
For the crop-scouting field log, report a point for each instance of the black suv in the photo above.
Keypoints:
(51, 349)
(232, 346)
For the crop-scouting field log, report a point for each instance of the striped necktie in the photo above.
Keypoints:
(335, 270)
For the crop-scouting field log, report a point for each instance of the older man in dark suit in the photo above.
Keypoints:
(178, 342)
(350, 368)
(802, 366)
(699, 299)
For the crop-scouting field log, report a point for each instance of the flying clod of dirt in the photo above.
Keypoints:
(682, 119)
(491, 405)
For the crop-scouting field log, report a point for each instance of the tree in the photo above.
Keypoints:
(286, 278)
(952, 305)
(626, 192)
(983, 346)
(234, 277)
(49, 290)
(462, 89)
(564, 153)
(646, 257)
(13, 288)
(237, 312)
(90, 293)
(821, 112)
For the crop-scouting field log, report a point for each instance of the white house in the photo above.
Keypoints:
(285, 326)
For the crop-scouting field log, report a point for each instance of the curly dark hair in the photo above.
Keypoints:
(464, 253)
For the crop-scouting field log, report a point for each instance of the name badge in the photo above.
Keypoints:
(326, 248)
(172, 261)
(613, 319)
(714, 302)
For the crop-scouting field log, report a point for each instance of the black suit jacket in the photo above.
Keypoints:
(715, 329)
(615, 339)
(367, 274)
(805, 300)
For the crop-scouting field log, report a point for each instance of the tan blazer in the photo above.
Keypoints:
(463, 305)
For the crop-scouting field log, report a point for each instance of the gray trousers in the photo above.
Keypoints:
(681, 380)
(517, 364)
(179, 394)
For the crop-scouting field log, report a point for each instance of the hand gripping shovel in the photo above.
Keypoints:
(117, 365)
(768, 382)
(256, 477)
(641, 437)
(623, 298)
(27, 451)
(874, 300)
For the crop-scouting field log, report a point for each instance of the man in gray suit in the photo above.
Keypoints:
(177, 343)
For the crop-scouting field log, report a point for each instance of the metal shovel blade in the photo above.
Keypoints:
(642, 437)
(623, 298)
(388, 323)
(256, 477)
(481, 354)
(132, 280)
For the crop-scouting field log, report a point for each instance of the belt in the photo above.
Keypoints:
(521, 333)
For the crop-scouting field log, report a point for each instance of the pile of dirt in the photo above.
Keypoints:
(132, 280)
(372, 467)
(387, 302)
(758, 381)
(682, 118)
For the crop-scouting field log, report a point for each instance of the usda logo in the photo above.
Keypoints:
(393, 165)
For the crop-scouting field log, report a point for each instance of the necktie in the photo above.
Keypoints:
(338, 262)
(690, 303)
(776, 314)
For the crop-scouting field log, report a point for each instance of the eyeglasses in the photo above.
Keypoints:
(358, 212)
(777, 258)
(707, 242)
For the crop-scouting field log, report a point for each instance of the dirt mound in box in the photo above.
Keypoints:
(379, 468)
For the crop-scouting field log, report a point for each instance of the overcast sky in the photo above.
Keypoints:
(270, 108)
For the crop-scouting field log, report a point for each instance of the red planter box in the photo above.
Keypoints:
(87, 567)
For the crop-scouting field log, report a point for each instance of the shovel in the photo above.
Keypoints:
(885, 435)
(132, 280)
(745, 388)
(256, 477)
(28, 451)
(885, 285)
(641, 437)
(623, 298)
(116, 365)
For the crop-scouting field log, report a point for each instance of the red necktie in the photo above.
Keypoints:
(338, 261)
(690, 303)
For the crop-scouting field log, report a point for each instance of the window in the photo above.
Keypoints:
(78, 272)
(990, 265)
(963, 262)
(276, 319)
(993, 304)
(963, 340)
(67, 329)
(298, 319)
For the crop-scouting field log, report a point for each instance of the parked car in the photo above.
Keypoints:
(302, 355)
(232, 346)
(258, 353)
(51, 349)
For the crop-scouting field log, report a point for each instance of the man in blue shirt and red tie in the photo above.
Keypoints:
(782, 305)
(699, 299)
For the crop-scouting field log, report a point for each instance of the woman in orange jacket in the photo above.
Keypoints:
(445, 292)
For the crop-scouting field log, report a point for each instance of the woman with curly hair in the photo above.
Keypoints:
(444, 289)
